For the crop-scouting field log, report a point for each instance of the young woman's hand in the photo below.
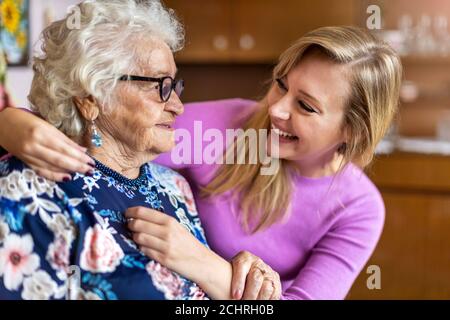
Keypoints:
(41, 146)
(162, 238)
(253, 279)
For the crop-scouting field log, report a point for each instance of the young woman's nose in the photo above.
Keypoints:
(280, 110)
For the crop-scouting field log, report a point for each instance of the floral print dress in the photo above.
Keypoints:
(70, 240)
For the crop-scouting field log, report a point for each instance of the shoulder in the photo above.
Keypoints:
(216, 114)
(162, 173)
(17, 181)
(170, 180)
(32, 204)
(360, 197)
(23, 194)
(35, 223)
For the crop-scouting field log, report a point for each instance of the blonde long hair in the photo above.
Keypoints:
(375, 75)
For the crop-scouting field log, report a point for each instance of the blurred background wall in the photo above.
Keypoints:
(19, 78)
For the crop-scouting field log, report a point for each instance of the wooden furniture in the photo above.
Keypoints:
(428, 72)
(256, 31)
(236, 33)
(414, 250)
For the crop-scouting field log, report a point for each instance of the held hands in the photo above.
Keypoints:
(253, 279)
(41, 146)
(163, 239)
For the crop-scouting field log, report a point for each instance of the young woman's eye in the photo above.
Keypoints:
(306, 107)
(281, 85)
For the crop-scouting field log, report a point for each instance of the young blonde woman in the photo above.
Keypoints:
(318, 219)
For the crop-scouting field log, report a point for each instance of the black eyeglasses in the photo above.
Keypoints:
(166, 85)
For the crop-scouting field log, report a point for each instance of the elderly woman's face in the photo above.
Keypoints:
(139, 119)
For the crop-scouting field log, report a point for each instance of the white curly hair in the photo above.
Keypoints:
(85, 61)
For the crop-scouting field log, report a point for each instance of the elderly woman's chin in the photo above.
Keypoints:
(166, 146)
(162, 140)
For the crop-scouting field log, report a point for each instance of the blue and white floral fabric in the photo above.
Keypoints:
(70, 240)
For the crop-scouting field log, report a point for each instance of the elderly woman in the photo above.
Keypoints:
(109, 85)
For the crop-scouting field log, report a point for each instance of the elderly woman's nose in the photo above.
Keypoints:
(175, 105)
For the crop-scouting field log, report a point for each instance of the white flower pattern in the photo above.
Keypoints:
(101, 253)
(77, 229)
(39, 286)
(17, 260)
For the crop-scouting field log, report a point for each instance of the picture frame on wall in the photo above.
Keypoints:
(15, 31)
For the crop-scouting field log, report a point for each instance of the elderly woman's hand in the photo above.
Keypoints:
(253, 279)
(41, 146)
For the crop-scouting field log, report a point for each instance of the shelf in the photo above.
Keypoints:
(426, 60)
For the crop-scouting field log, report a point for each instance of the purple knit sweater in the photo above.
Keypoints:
(332, 230)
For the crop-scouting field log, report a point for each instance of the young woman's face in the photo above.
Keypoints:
(306, 110)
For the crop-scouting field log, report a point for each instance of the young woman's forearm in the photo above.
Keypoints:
(41, 146)
(5, 120)
(213, 275)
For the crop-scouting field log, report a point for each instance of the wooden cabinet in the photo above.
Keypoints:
(254, 31)
(414, 250)
(208, 28)
(274, 25)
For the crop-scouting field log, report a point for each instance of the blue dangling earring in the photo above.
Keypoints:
(96, 138)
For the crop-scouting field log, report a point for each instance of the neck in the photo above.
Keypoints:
(327, 166)
(120, 157)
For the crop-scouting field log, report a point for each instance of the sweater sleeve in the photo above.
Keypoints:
(338, 258)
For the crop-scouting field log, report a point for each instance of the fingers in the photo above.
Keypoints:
(148, 241)
(142, 226)
(45, 170)
(277, 292)
(272, 278)
(45, 137)
(51, 175)
(253, 279)
(267, 289)
(253, 284)
(63, 161)
(70, 149)
(147, 214)
(69, 141)
(241, 267)
(152, 254)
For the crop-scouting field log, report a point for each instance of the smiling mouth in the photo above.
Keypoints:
(165, 126)
(283, 134)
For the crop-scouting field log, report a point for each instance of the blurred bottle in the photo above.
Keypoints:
(409, 91)
(443, 127)
(406, 27)
(442, 35)
(425, 41)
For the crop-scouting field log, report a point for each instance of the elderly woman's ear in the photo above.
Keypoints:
(87, 107)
